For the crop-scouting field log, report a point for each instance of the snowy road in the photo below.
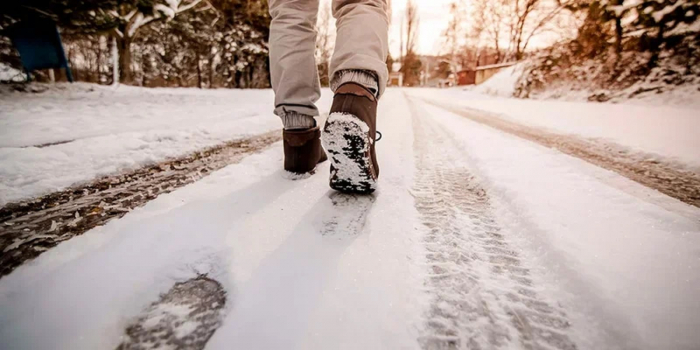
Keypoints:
(30, 228)
(475, 239)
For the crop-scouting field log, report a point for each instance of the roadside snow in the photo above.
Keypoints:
(668, 132)
(8, 73)
(502, 83)
(73, 133)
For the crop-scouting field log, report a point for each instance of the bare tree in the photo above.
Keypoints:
(453, 33)
(491, 22)
(401, 43)
(324, 43)
(412, 22)
(513, 23)
(530, 17)
(410, 62)
(409, 30)
(460, 42)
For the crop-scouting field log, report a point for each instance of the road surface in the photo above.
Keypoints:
(477, 238)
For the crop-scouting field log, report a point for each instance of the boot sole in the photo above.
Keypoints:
(346, 139)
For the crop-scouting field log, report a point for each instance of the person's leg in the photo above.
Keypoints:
(293, 68)
(295, 81)
(362, 44)
(359, 76)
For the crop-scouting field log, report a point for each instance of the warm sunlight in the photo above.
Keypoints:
(415, 174)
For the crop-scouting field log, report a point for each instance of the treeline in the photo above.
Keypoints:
(483, 32)
(205, 43)
(622, 48)
(649, 26)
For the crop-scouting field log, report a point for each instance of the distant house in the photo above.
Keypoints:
(451, 80)
(395, 79)
(395, 75)
(466, 77)
(485, 72)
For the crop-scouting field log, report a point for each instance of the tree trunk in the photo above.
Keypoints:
(124, 48)
(498, 48)
(115, 61)
(519, 43)
(618, 36)
(199, 71)
(100, 59)
(95, 46)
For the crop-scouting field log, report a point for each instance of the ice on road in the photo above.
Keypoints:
(474, 239)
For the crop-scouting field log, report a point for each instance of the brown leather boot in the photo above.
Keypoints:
(302, 150)
(349, 136)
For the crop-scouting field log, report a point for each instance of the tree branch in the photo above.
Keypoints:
(187, 7)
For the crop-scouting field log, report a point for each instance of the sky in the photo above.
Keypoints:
(433, 21)
(433, 17)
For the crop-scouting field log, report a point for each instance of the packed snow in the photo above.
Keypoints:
(625, 251)
(257, 232)
(305, 268)
(74, 133)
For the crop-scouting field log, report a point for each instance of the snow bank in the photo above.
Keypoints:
(73, 133)
(502, 83)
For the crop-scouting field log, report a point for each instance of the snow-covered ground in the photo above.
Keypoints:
(665, 131)
(504, 83)
(96, 130)
(501, 84)
(474, 237)
(10, 74)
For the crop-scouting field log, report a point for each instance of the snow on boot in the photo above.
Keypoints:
(302, 150)
(349, 135)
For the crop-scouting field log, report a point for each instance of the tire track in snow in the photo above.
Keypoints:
(483, 294)
(29, 228)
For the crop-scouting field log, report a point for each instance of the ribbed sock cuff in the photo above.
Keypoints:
(293, 120)
(365, 78)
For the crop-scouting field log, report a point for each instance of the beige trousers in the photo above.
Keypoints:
(361, 49)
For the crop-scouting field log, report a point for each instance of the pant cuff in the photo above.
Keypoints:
(365, 78)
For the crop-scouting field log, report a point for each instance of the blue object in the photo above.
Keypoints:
(39, 45)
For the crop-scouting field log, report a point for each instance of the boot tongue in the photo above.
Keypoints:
(355, 89)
